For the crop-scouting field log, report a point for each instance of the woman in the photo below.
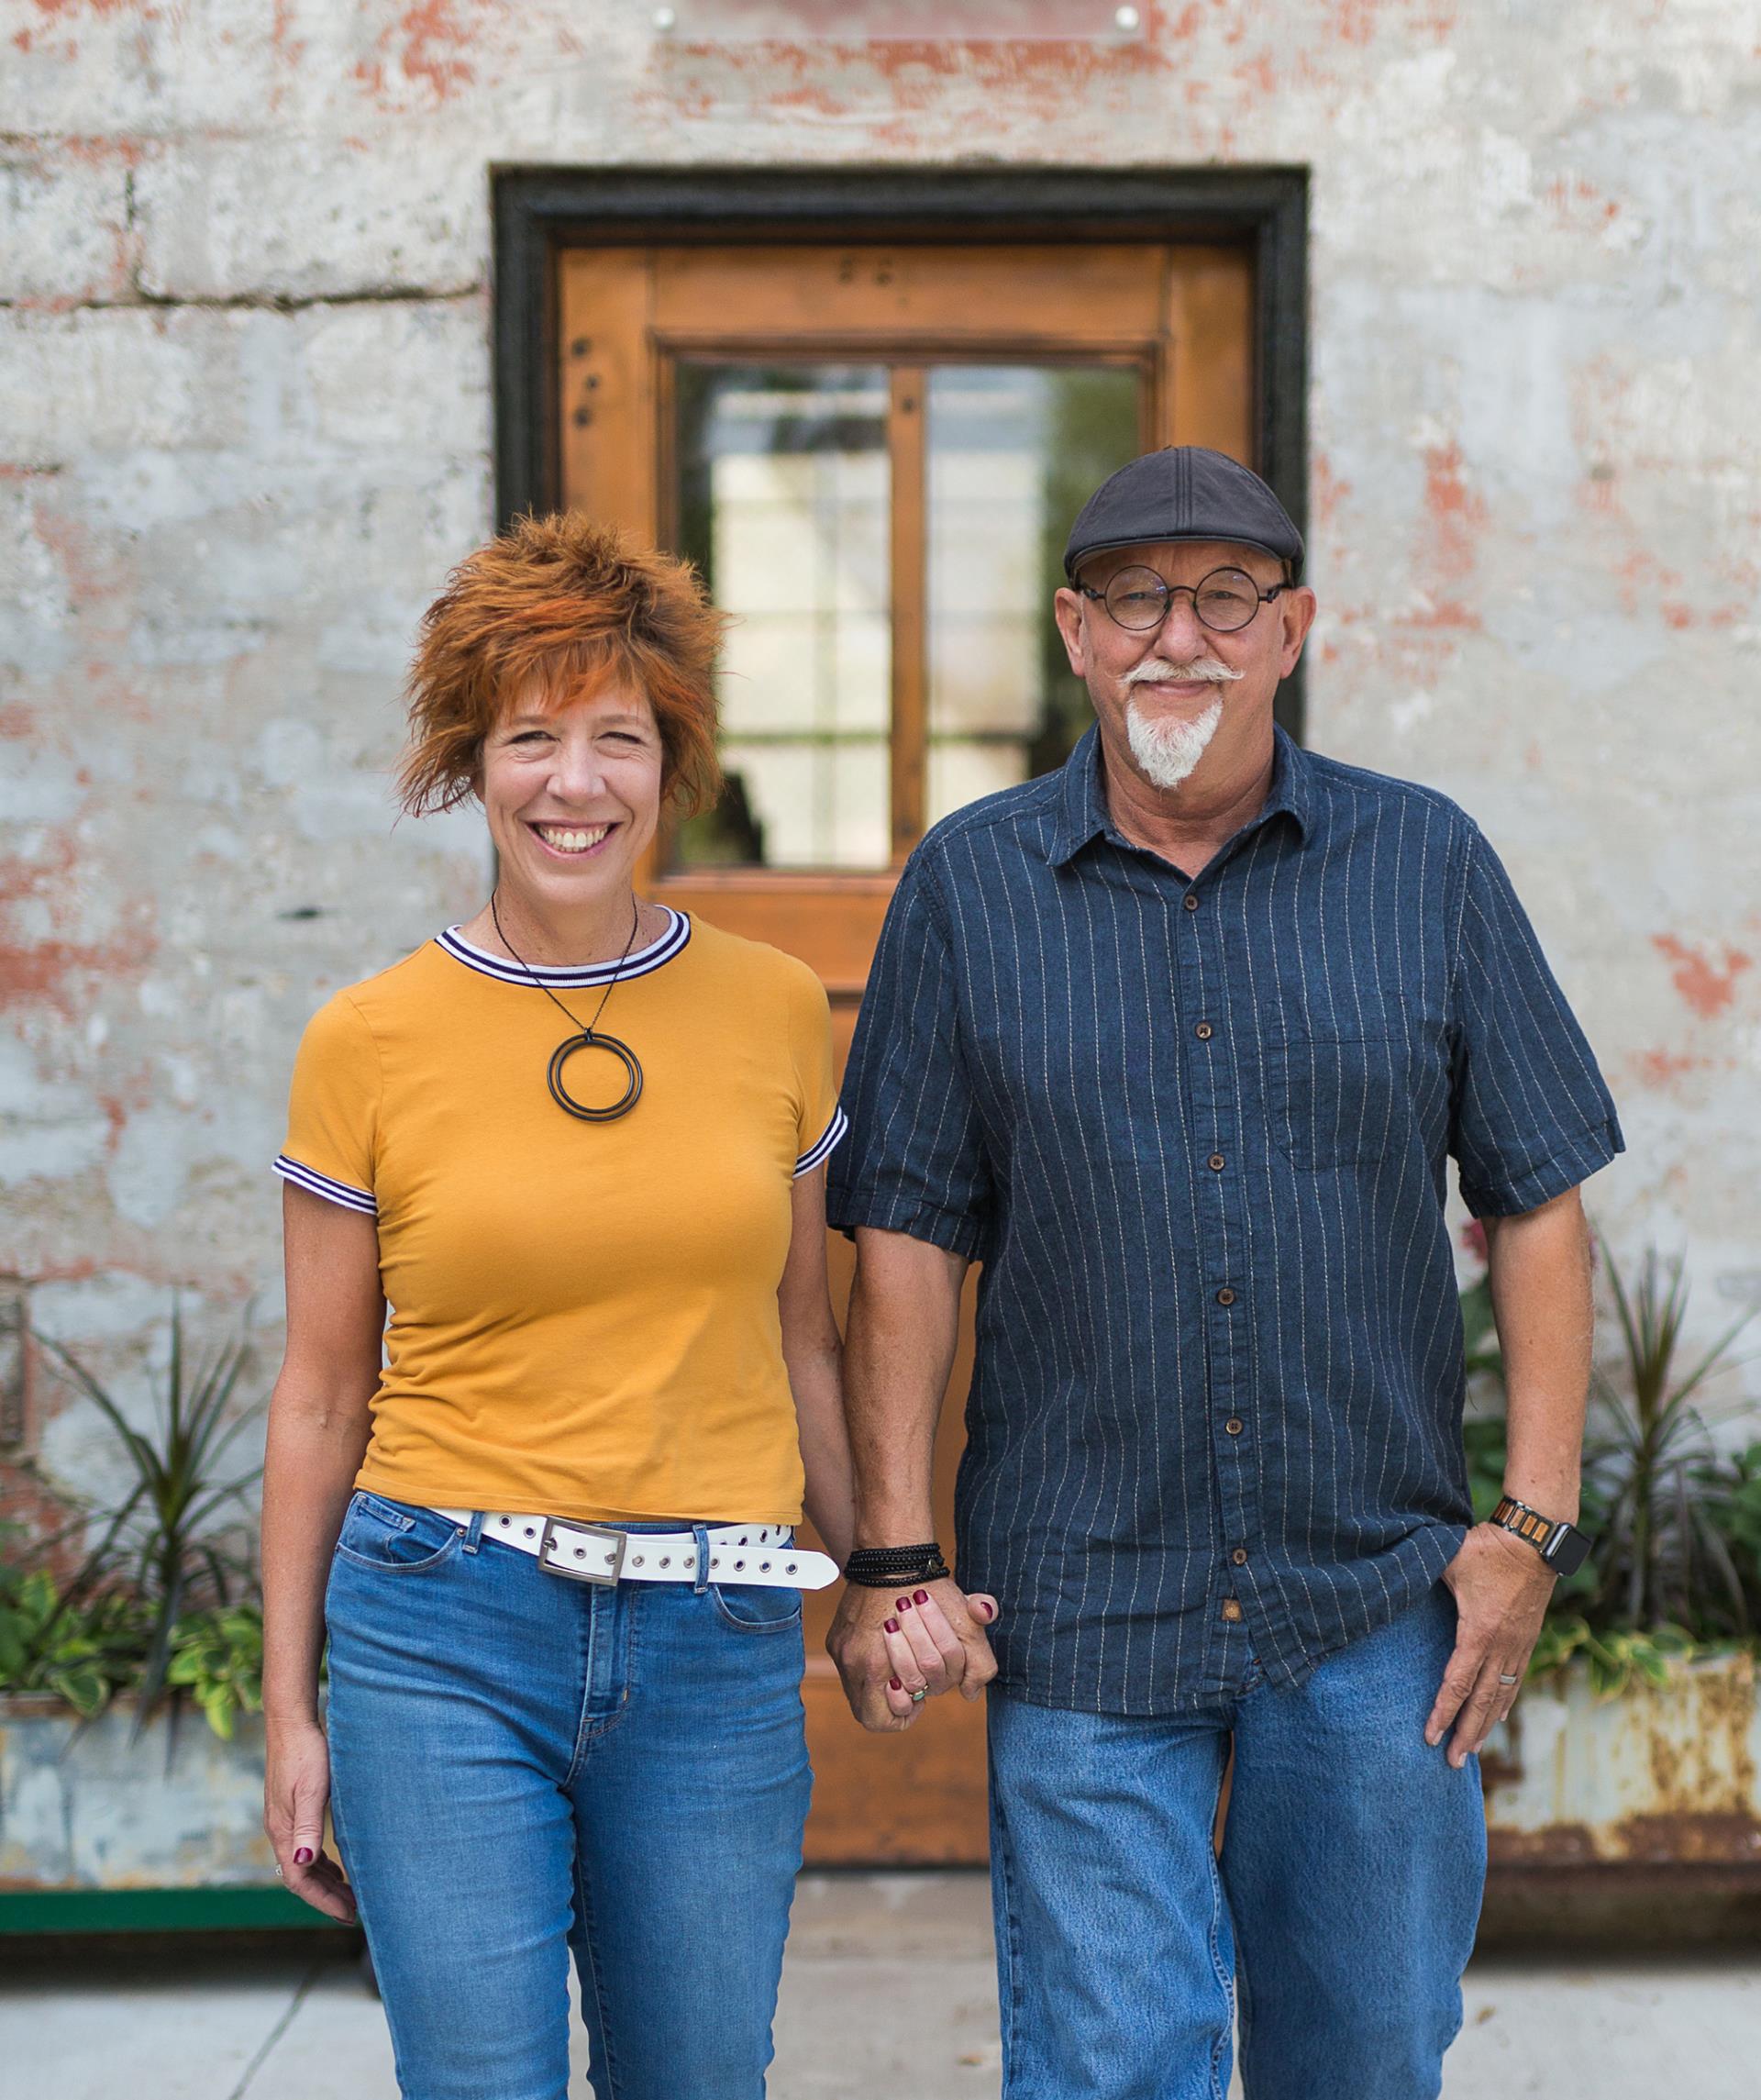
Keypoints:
(575, 1143)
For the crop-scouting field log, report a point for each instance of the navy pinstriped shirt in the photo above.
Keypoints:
(1196, 1133)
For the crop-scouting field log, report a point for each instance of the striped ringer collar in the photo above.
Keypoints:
(569, 977)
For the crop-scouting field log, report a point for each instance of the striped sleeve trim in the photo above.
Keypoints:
(309, 1178)
(816, 1155)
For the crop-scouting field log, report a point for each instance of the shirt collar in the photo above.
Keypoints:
(1080, 812)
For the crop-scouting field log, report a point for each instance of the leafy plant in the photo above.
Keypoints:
(1615, 1661)
(217, 1658)
(83, 1655)
(163, 1542)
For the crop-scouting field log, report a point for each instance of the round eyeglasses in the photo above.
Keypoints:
(1224, 601)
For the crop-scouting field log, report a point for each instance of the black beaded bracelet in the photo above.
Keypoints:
(887, 1567)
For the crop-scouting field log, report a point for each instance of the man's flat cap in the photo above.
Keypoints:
(1185, 491)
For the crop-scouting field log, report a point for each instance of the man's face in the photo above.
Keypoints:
(1166, 694)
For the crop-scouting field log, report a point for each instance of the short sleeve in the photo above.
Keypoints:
(1530, 1115)
(820, 1122)
(915, 1162)
(333, 1109)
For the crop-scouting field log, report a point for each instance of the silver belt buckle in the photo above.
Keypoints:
(603, 1571)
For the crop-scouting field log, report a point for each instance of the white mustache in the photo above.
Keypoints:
(1159, 671)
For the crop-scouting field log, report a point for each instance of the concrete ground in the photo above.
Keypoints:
(888, 1988)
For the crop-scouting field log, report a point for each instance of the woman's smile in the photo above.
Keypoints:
(571, 842)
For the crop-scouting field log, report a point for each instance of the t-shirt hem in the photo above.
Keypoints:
(818, 1154)
(453, 1497)
(325, 1185)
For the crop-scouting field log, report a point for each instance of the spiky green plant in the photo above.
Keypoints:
(1662, 1557)
(164, 1540)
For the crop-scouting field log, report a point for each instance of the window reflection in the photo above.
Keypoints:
(1014, 452)
(784, 493)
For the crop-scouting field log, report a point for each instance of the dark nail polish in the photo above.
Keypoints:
(896, 1684)
(904, 1603)
(920, 1597)
(892, 1625)
(303, 1858)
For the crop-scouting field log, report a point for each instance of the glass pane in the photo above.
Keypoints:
(784, 494)
(1014, 452)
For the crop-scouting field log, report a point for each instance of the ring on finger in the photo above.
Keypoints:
(1517, 1679)
(919, 1696)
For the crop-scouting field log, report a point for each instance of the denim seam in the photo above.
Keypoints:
(1225, 1979)
(1009, 1945)
(589, 1962)
(435, 1560)
(590, 1727)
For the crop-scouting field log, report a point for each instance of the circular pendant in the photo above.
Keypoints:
(587, 1039)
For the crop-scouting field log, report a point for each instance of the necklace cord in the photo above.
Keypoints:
(587, 1037)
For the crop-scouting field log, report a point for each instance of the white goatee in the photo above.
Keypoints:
(1166, 748)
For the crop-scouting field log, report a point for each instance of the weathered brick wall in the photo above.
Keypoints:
(246, 427)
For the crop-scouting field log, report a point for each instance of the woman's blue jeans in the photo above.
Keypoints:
(521, 1766)
(1343, 1909)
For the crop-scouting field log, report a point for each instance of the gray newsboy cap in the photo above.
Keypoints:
(1185, 491)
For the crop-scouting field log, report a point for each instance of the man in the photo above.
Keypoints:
(1176, 1042)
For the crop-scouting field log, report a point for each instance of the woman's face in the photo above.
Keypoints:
(572, 795)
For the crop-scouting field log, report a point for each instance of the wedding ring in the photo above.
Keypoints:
(1504, 1680)
(280, 1876)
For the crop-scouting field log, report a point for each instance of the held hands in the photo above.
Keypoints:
(297, 1790)
(1501, 1587)
(925, 1637)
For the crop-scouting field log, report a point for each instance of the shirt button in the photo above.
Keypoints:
(1226, 1296)
(1232, 1610)
(1202, 1031)
(1234, 1426)
(1190, 902)
(1239, 1556)
(1215, 1162)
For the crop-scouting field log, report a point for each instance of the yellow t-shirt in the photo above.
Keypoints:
(583, 1315)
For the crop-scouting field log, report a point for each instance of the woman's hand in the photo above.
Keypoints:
(296, 1791)
(926, 1653)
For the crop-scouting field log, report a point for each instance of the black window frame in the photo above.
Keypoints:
(537, 212)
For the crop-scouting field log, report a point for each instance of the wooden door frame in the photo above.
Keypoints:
(538, 211)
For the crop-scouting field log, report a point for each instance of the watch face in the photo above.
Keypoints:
(1570, 1553)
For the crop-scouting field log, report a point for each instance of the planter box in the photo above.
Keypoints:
(99, 1831)
(1638, 1816)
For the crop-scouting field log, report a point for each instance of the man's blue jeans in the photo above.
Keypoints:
(523, 1765)
(1343, 1909)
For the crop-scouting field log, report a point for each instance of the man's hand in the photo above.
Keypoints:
(1501, 1587)
(890, 1644)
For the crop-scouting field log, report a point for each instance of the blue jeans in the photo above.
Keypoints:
(1343, 1909)
(522, 1766)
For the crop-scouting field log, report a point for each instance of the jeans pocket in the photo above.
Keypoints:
(395, 1537)
(756, 1608)
(1333, 1101)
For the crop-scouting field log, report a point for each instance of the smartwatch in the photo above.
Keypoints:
(1562, 1546)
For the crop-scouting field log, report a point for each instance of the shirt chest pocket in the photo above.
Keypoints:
(1334, 1101)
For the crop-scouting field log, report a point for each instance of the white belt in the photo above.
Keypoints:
(759, 1553)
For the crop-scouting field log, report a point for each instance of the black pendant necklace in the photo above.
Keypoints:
(587, 1036)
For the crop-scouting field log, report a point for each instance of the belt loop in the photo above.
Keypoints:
(474, 1531)
(700, 1532)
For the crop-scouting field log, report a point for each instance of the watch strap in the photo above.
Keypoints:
(1561, 1545)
